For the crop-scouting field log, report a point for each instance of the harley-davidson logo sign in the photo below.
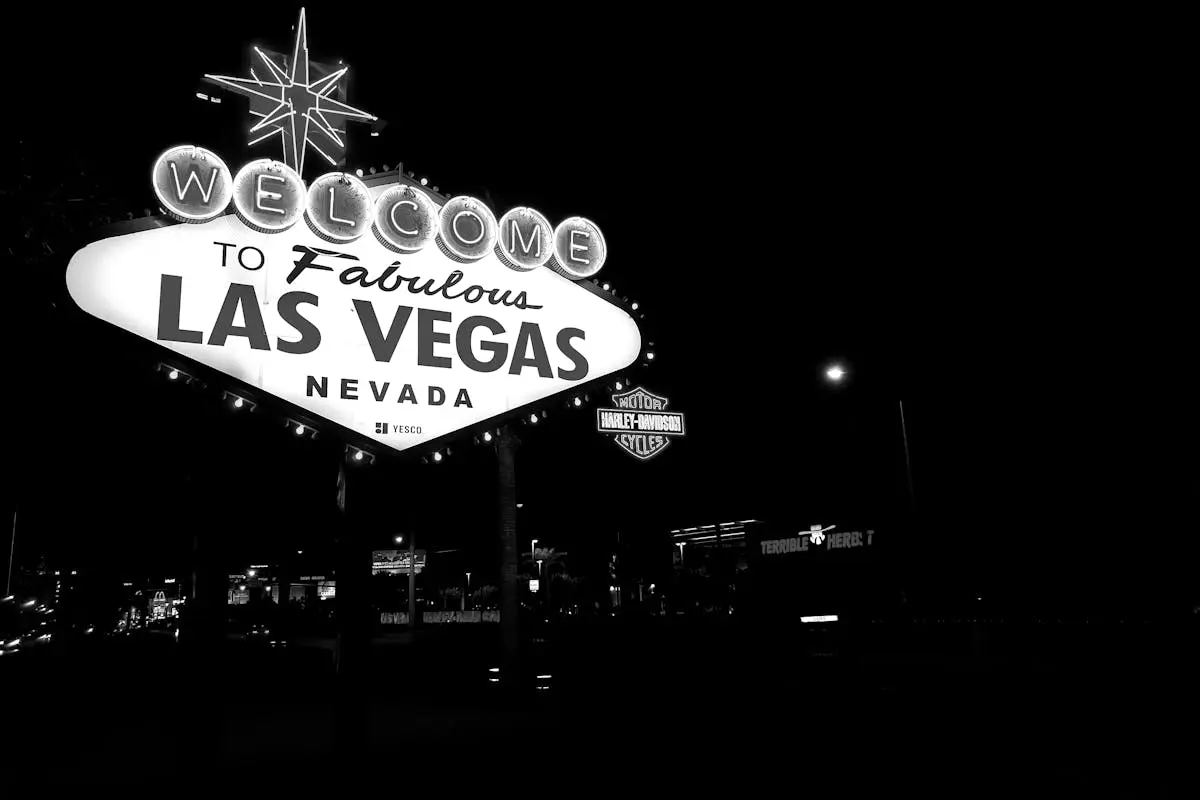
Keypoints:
(640, 422)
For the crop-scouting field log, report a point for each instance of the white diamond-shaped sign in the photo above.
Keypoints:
(400, 348)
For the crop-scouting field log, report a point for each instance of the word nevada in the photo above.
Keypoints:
(194, 185)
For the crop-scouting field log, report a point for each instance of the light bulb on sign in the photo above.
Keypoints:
(579, 249)
(404, 219)
(467, 230)
(192, 184)
(487, 436)
(299, 430)
(533, 418)
(268, 196)
(358, 456)
(437, 456)
(173, 374)
(525, 240)
(339, 207)
(238, 403)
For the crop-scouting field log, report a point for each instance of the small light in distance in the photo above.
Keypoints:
(619, 386)
(358, 455)
(251, 572)
(634, 306)
(424, 181)
(299, 430)
(374, 133)
(400, 539)
(437, 456)
(578, 402)
(239, 403)
(820, 618)
(173, 374)
(487, 436)
(358, 172)
(533, 418)
(835, 373)
(649, 355)
(29, 603)
(606, 286)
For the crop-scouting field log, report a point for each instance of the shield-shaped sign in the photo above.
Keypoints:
(640, 422)
(402, 349)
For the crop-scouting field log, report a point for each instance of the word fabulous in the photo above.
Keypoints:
(194, 185)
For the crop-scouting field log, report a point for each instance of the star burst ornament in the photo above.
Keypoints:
(296, 106)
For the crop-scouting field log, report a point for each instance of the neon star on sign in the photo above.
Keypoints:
(296, 105)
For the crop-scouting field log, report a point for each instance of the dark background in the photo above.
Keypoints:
(970, 225)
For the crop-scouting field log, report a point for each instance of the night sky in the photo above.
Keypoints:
(942, 225)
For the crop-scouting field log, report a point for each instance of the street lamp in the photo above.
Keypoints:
(835, 374)
(399, 539)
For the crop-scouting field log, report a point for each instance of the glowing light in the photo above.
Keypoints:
(302, 105)
(339, 207)
(29, 603)
(192, 184)
(650, 355)
(619, 386)
(299, 430)
(606, 287)
(579, 249)
(202, 95)
(437, 456)
(400, 539)
(835, 373)
(578, 402)
(358, 456)
(533, 418)
(487, 436)
(525, 239)
(634, 306)
(820, 618)
(424, 181)
(238, 403)
(404, 219)
(268, 196)
(467, 229)
(493, 669)
(251, 573)
(374, 133)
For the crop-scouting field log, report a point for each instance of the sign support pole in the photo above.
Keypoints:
(412, 579)
(353, 564)
(506, 448)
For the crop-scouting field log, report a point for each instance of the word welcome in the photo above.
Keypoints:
(194, 185)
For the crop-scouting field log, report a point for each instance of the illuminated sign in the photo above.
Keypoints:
(640, 423)
(534, 584)
(395, 562)
(399, 315)
(814, 538)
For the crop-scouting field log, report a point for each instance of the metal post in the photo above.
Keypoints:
(11, 549)
(506, 449)
(912, 497)
(412, 579)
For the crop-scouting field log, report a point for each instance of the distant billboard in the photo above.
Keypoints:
(395, 562)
